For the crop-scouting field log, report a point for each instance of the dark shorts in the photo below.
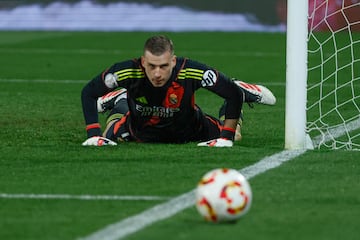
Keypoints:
(208, 128)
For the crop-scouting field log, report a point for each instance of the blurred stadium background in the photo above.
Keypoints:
(226, 15)
(264, 11)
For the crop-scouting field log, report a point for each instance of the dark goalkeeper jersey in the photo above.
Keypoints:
(162, 114)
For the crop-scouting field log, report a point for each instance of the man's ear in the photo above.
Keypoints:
(173, 61)
(142, 60)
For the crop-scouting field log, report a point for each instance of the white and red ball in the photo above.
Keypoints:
(223, 195)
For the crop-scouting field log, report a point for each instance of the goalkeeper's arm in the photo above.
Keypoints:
(89, 96)
(227, 135)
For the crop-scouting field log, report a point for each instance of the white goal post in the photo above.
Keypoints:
(323, 74)
(296, 74)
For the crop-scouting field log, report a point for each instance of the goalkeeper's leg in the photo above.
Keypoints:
(111, 99)
(213, 127)
(240, 122)
(255, 93)
(117, 129)
(117, 122)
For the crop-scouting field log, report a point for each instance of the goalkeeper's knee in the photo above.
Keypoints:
(117, 129)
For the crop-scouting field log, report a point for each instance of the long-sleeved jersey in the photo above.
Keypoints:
(161, 114)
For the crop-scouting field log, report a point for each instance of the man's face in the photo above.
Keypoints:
(158, 68)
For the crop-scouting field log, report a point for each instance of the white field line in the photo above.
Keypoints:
(336, 132)
(65, 81)
(162, 211)
(86, 51)
(16, 80)
(82, 81)
(81, 197)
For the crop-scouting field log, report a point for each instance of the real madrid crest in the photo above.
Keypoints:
(173, 99)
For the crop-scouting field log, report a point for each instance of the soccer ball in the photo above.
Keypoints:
(223, 195)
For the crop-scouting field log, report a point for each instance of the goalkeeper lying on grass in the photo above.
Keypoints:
(151, 99)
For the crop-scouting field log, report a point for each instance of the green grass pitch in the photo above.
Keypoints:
(315, 196)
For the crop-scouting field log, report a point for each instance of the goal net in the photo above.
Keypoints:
(333, 76)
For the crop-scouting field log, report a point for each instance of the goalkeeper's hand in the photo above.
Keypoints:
(219, 142)
(98, 141)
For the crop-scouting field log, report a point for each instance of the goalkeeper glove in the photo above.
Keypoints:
(98, 141)
(219, 142)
